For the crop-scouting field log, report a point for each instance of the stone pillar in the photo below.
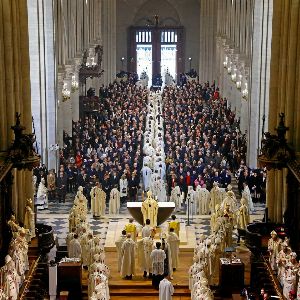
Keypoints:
(260, 76)
(67, 105)
(60, 111)
(75, 94)
(109, 40)
(42, 76)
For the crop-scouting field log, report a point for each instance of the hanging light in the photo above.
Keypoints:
(74, 84)
(229, 68)
(239, 82)
(233, 75)
(225, 63)
(66, 92)
(245, 91)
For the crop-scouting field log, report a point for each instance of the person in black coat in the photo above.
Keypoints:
(61, 185)
(133, 185)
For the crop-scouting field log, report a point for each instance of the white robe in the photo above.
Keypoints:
(114, 201)
(176, 197)
(119, 243)
(202, 199)
(247, 196)
(147, 173)
(166, 290)
(173, 242)
(128, 258)
(97, 201)
(190, 198)
(74, 249)
(123, 187)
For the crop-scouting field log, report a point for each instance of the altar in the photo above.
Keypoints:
(165, 210)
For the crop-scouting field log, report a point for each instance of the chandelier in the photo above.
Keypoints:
(90, 63)
(245, 91)
(239, 82)
(225, 63)
(66, 92)
(74, 84)
(233, 75)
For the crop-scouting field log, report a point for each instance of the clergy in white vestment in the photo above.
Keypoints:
(70, 237)
(157, 257)
(147, 245)
(173, 241)
(150, 209)
(75, 248)
(215, 197)
(119, 243)
(97, 200)
(166, 289)
(147, 172)
(114, 201)
(147, 229)
(176, 197)
(190, 201)
(123, 182)
(128, 258)
(247, 196)
(202, 199)
(229, 200)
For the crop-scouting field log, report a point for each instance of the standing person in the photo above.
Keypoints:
(175, 224)
(146, 231)
(123, 188)
(131, 228)
(166, 289)
(75, 247)
(133, 185)
(146, 171)
(119, 243)
(173, 241)
(61, 187)
(51, 185)
(157, 257)
(128, 256)
(98, 203)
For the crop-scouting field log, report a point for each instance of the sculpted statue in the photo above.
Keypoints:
(29, 218)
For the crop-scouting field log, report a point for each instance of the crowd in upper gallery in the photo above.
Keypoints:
(203, 142)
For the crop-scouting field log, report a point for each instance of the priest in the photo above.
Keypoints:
(119, 243)
(166, 289)
(150, 209)
(128, 258)
(97, 200)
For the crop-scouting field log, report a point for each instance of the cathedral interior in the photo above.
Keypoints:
(149, 148)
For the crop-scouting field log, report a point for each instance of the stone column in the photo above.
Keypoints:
(75, 94)
(60, 111)
(109, 40)
(260, 76)
(67, 105)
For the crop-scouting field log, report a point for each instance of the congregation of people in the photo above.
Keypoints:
(185, 146)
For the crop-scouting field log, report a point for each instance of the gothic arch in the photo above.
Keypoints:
(168, 15)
